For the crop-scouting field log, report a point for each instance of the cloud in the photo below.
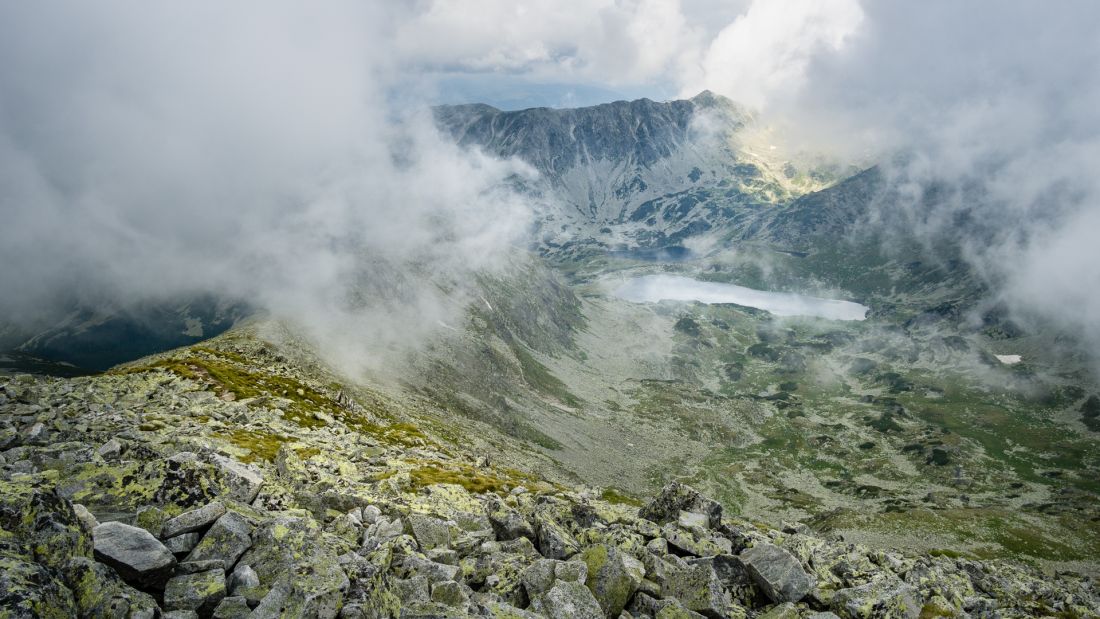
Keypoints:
(251, 150)
(257, 148)
(993, 105)
(767, 51)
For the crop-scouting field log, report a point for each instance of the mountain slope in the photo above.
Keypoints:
(638, 173)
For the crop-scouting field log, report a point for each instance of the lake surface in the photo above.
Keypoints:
(654, 288)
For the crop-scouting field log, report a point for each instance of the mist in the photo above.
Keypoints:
(284, 156)
(253, 151)
(981, 115)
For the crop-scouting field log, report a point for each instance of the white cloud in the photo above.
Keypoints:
(767, 51)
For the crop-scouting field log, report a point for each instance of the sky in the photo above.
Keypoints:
(264, 148)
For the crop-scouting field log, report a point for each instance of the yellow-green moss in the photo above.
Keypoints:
(464, 476)
(260, 445)
(612, 495)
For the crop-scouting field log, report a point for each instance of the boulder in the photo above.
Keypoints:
(612, 576)
(541, 575)
(244, 582)
(777, 572)
(698, 587)
(226, 541)
(507, 523)
(298, 572)
(99, 592)
(675, 498)
(568, 600)
(554, 541)
(450, 593)
(85, 516)
(241, 480)
(194, 520)
(884, 596)
(182, 544)
(235, 607)
(134, 553)
(429, 532)
(200, 592)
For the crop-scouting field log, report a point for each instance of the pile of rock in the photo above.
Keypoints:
(158, 524)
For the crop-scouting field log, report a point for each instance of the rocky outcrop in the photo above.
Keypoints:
(337, 518)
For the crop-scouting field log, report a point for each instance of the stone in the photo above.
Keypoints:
(200, 592)
(180, 614)
(675, 498)
(785, 610)
(99, 591)
(234, 607)
(541, 575)
(134, 553)
(109, 450)
(568, 600)
(194, 520)
(645, 605)
(696, 542)
(434, 572)
(194, 567)
(554, 542)
(429, 532)
(884, 596)
(85, 516)
(370, 514)
(243, 481)
(151, 518)
(449, 593)
(227, 540)
(182, 544)
(298, 575)
(699, 589)
(244, 582)
(693, 520)
(777, 572)
(507, 523)
(612, 576)
(416, 589)
(735, 578)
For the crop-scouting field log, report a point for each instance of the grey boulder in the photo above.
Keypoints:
(777, 573)
(134, 553)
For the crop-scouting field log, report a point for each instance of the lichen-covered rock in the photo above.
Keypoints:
(450, 593)
(99, 592)
(700, 543)
(235, 607)
(612, 576)
(554, 541)
(508, 523)
(193, 520)
(242, 481)
(182, 544)
(777, 572)
(675, 498)
(885, 596)
(134, 553)
(699, 589)
(430, 532)
(43, 522)
(568, 600)
(30, 590)
(298, 572)
(541, 575)
(200, 592)
(226, 541)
